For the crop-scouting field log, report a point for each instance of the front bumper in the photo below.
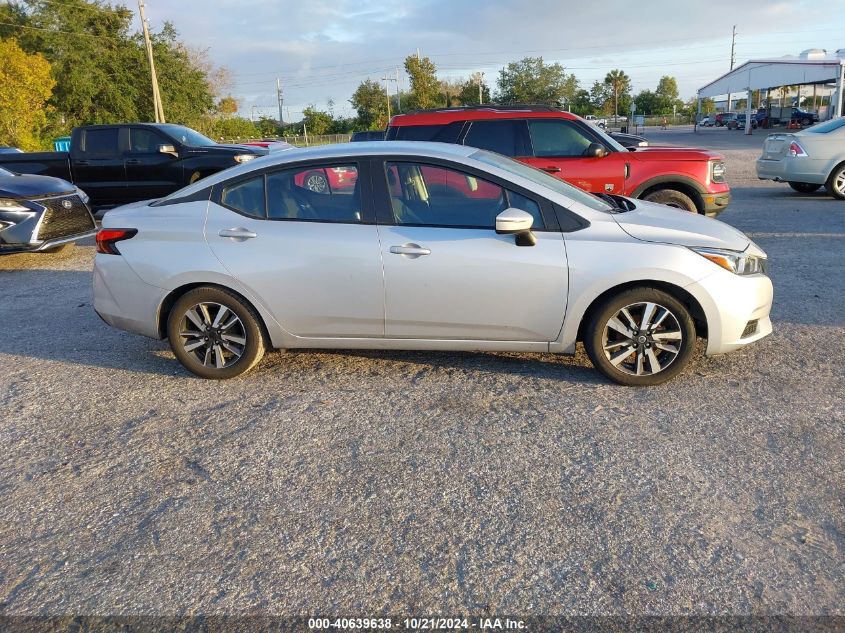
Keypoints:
(40, 247)
(715, 203)
(737, 308)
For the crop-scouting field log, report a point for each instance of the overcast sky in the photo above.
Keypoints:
(322, 49)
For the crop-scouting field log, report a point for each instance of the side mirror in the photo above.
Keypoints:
(167, 149)
(595, 150)
(516, 222)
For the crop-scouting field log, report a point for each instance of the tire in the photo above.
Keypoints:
(234, 346)
(644, 364)
(836, 182)
(317, 182)
(804, 187)
(672, 198)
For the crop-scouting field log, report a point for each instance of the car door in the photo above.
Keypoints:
(311, 257)
(97, 164)
(448, 274)
(149, 172)
(558, 146)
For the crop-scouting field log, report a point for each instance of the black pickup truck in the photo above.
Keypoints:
(116, 164)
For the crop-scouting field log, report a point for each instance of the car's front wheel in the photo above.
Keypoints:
(215, 334)
(804, 187)
(640, 337)
(836, 182)
(672, 198)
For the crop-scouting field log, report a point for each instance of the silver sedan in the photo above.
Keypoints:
(807, 159)
(424, 246)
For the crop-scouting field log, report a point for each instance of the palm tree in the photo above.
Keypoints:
(618, 81)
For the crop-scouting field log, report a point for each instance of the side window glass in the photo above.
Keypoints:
(247, 197)
(145, 141)
(439, 196)
(101, 142)
(501, 137)
(326, 194)
(557, 138)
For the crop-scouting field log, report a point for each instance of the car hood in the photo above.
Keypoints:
(33, 186)
(651, 222)
(658, 152)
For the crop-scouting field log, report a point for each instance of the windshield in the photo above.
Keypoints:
(827, 126)
(187, 136)
(542, 178)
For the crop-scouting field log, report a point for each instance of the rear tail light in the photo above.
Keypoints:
(795, 149)
(107, 239)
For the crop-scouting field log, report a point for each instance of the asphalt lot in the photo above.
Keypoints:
(355, 483)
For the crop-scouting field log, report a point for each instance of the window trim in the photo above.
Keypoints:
(384, 208)
(122, 138)
(362, 164)
(523, 137)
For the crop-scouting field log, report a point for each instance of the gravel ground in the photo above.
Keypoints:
(356, 483)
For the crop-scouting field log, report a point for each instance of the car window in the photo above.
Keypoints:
(432, 195)
(145, 141)
(434, 133)
(101, 142)
(326, 194)
(827, 126)
(556, 137)
(502, 137)
(246, 196)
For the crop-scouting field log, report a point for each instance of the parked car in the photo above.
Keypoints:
(807, 159)
(707, 122)
(271, 145)
(738, 122)
(41, 214)
(407, 260)
(724, 118)
(10, 150)
(628, 140)
(368, 135)
(592, 119)
(568, 147)
(327, 180)
(116, 164)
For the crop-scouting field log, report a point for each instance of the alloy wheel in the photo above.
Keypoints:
(642, 339)
(316, 183)
(839, 182)
(213, 334)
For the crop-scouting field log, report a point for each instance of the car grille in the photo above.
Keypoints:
(750, 329)
(61, 222)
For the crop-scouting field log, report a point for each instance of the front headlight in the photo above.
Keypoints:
(717, 171)
(7, 204)
(244, 158)
(738, 262)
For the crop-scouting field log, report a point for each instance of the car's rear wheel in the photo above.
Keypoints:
(317, 182)
(640, 337)
(836, 182)
(672, 198)
(804, 187)
(215, 334)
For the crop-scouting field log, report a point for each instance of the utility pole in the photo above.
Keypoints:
(159, 110)
(398, 93)
(280, 97)
(480, 85)
(387, 90)
(733, 47)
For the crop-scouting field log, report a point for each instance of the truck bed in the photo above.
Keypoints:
(56, 164)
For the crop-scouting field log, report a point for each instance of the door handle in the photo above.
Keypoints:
(133, 161)
(81, 162)
(551, 169)
(410, 250)
(238, 234)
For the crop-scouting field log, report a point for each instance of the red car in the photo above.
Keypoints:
(565, 145)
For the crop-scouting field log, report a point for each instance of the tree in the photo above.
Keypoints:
(619, 85)
(469, 90)
(648, 102)
(667, 87)
(599, 97)
(267, 126)
(316, 121)
(425, 87)
(582, 104)
(227, 106)
(27, 85)
(450, 91)
(530, 80)
(370, 102)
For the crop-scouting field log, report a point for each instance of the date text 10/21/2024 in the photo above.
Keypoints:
(417, 624)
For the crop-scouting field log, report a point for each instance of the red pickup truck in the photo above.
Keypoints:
(565, 145)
